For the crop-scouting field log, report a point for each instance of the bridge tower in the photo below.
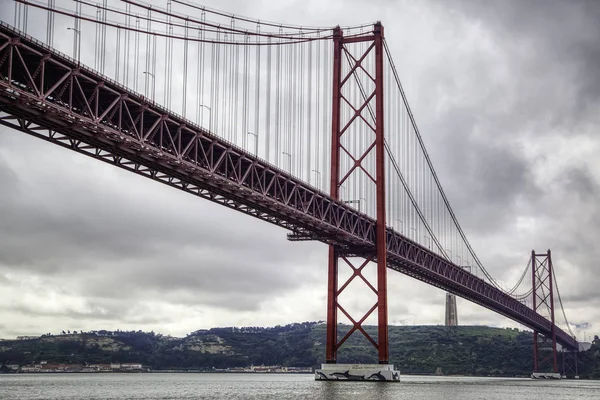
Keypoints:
(350, 58)
(544, 344)
(570, 361)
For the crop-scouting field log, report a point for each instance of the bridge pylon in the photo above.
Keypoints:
(570, 363)
(545, 363)
(352, 55)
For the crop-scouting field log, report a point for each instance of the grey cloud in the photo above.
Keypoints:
(582, 325)
(561, 42)
(580, 181)
(128, 244)
(549, 90)
(490, 105)
(219, 280)
(9, 179)
(484, 176)
(95, 312)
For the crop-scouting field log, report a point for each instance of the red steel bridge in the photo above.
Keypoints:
(307, 128)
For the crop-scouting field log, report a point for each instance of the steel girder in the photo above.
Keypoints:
(52, 91)
(49, 95)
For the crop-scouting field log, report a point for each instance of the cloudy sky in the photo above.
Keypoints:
(506, 95)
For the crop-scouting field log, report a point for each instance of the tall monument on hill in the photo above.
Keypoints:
(451, 318)
(451, 312)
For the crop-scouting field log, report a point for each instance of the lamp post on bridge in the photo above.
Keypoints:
(401, 225)
(290, 160)
(343, 187)
(471, 268)
(414, 230)
(317, 180)
(76, 43)
(150, 74)
(449, 251)
(355, 201)
(255, 142)
(209, 116)
(359, 199)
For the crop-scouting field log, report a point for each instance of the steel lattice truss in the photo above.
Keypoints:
(356, 324)
(46, 94)
(343, 81)
(543, 300)
(569, 363)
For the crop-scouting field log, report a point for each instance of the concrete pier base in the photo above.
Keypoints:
(545, 375)
(357, 372)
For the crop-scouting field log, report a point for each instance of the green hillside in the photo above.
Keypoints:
(467, 350)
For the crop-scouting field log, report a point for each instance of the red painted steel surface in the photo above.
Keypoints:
(340, 81)
(47, 95)
(553, 334)
(382, 310)
(332, 276)
(543, 297)
(535, 335)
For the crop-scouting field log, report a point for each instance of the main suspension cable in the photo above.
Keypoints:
(434, 174)
(511, 291)
(114, 24)
(561, 303)
(266, 23)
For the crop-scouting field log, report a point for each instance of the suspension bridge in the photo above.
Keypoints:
(307, 128)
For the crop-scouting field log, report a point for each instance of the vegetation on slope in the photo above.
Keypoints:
(589, 361)
(468, 350)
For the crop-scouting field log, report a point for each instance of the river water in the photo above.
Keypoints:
(263, 386)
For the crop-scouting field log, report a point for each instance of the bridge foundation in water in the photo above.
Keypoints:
(357, 372)
(545, 375)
